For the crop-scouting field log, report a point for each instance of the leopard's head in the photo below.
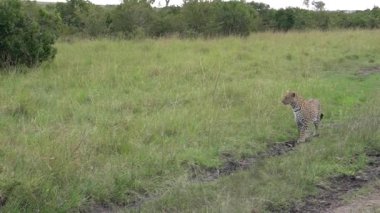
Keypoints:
(289, 97)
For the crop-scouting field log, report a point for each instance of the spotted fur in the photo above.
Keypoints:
(305, 113)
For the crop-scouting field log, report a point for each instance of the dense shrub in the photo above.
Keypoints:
(285, 19)
(168, 21)
(199, 19)
(218, 18)
(234, 18)
(133, 19)
(26, 35)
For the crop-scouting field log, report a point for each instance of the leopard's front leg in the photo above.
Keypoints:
(302, 131)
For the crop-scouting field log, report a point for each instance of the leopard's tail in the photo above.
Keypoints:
(321, 116)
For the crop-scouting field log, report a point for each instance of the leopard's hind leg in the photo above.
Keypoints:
(316, 133)
(316, 125)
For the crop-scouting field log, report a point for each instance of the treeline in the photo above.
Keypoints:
(28, 29)
(137, 18)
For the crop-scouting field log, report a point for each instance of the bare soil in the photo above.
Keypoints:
(368, 203)
(232, 165)
(368, 70)
(330, 196)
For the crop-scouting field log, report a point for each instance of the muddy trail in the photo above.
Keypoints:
(365, 203)
(200, 174)
(232, 164)
(330, 195)
(368, 70)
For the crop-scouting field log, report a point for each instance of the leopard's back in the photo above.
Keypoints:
(312, 110)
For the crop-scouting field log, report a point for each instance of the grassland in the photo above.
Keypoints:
(111, 122)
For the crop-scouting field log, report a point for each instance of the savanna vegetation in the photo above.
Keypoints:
(139, 19)
(117, 123)
(109, 123)
(29, 29)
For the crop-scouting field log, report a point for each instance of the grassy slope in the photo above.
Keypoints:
(111, 121)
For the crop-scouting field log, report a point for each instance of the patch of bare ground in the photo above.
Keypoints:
(330, 197)
(232, 165)
(100, 209)
(368, 70)
(367, 203)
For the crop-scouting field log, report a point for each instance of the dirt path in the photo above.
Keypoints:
(368, 203)
(328, 200)
(330, 197)
(198, 174)
(232, 165)
(368, 70)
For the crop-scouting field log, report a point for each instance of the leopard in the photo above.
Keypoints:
(306, 112)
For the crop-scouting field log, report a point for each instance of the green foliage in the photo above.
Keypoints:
(218, 18)
(109, 122)
(234, 18)
(167, 22)
(265, 19)
(73, 14)
(200, 18)
(284, 19)
(27, 34)
(319, 5)
(97, 22)
(137, 18)
(133, 19)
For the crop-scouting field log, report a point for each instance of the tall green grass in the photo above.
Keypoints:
(110, 122)
(279, 183)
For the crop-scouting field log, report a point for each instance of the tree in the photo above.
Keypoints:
(319, 5)
(199, 18)
(264, 20)
(73, 14)
(97, 22)
(303, 19)
(306, 3)
(27, 34)
(133, 19)
(234, 18)
(284, 19)
(258, 6)
(168, 21)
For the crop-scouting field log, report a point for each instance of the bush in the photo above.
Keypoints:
(235, 18)
(218, 18)
(133, 18)
(26, 34)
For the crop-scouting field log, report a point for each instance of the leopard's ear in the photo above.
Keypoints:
(293, 94)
